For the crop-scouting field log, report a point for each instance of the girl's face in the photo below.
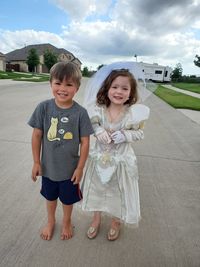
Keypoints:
(63, 92)
(119, 90)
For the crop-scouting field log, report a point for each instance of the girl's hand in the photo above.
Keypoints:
(118, 137)
(104, 138)
(36, 171)
(76, 178)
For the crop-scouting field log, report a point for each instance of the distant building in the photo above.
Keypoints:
(17, 58)
(2, 62)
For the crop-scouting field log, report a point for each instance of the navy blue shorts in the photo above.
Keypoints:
(66, 191)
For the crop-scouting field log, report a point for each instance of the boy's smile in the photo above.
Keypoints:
(64, 92)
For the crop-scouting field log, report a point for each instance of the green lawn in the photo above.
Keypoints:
(176, 99)
(193, 87)
(19, 76)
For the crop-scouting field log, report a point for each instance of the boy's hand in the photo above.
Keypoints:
(76, 178)
(36, 171)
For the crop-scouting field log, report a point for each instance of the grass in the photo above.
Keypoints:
(19, 76)
(177, 100)
(193, 87)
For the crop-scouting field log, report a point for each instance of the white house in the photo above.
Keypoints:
(155, 72)
(2, 62)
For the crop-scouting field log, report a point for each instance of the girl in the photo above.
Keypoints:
(110, 182)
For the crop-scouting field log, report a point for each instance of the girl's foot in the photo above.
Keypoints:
(67, 231)
(114, 230)
(47, 231)
(95, 225)
(93, 231)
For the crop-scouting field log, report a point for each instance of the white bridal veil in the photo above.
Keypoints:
(98, 78)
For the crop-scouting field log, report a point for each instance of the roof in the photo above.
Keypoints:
(21, 54)
(2, 55)
(152, 65)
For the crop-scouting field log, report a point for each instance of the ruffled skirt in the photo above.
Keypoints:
(117, 196)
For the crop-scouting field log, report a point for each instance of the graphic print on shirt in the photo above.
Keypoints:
(52, 132)
(68, 135)
(53, 129)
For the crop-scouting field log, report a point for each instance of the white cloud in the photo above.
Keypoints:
(155, 30)
(155, 16)
(13, 40)
(79, 9)
(196, 25)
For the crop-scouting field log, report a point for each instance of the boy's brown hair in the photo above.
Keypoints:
(65, 71)
(102, 95)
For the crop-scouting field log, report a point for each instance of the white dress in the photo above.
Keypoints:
(110, 182)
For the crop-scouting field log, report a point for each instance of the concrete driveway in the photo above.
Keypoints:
(169, 166)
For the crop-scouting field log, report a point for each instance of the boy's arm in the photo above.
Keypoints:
(84, 150)
(36, 149)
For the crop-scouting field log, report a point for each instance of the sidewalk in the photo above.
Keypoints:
(194, 115)
(169, 86)
(12, 82)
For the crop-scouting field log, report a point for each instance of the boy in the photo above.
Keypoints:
(60, 128)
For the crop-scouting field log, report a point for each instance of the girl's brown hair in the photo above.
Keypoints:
(102, 95)
(64, 71)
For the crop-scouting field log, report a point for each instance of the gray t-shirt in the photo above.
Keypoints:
(62, 132)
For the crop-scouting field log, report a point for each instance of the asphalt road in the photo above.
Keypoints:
(169, 166)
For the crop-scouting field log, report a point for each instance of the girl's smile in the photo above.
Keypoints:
(119, 91)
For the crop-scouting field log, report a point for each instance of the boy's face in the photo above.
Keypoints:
(63, 92)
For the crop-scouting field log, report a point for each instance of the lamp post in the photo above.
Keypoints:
(135, 57)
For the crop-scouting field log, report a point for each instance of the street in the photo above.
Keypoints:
(169, 168)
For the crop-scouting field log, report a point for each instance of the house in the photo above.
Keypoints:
(17, 59)
(2, 62)
(155, 72)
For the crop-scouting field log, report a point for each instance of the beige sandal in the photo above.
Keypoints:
(92, 232)
(113, 233)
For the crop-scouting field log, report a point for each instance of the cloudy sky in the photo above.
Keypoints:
(103, 31)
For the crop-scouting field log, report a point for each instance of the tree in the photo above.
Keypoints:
(85, 72)
(32, 59)
(50, 58)
(197, 61)
(177, 72)
(100, 66)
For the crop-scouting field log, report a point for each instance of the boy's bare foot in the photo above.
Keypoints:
(47, 231)
(67, 231)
